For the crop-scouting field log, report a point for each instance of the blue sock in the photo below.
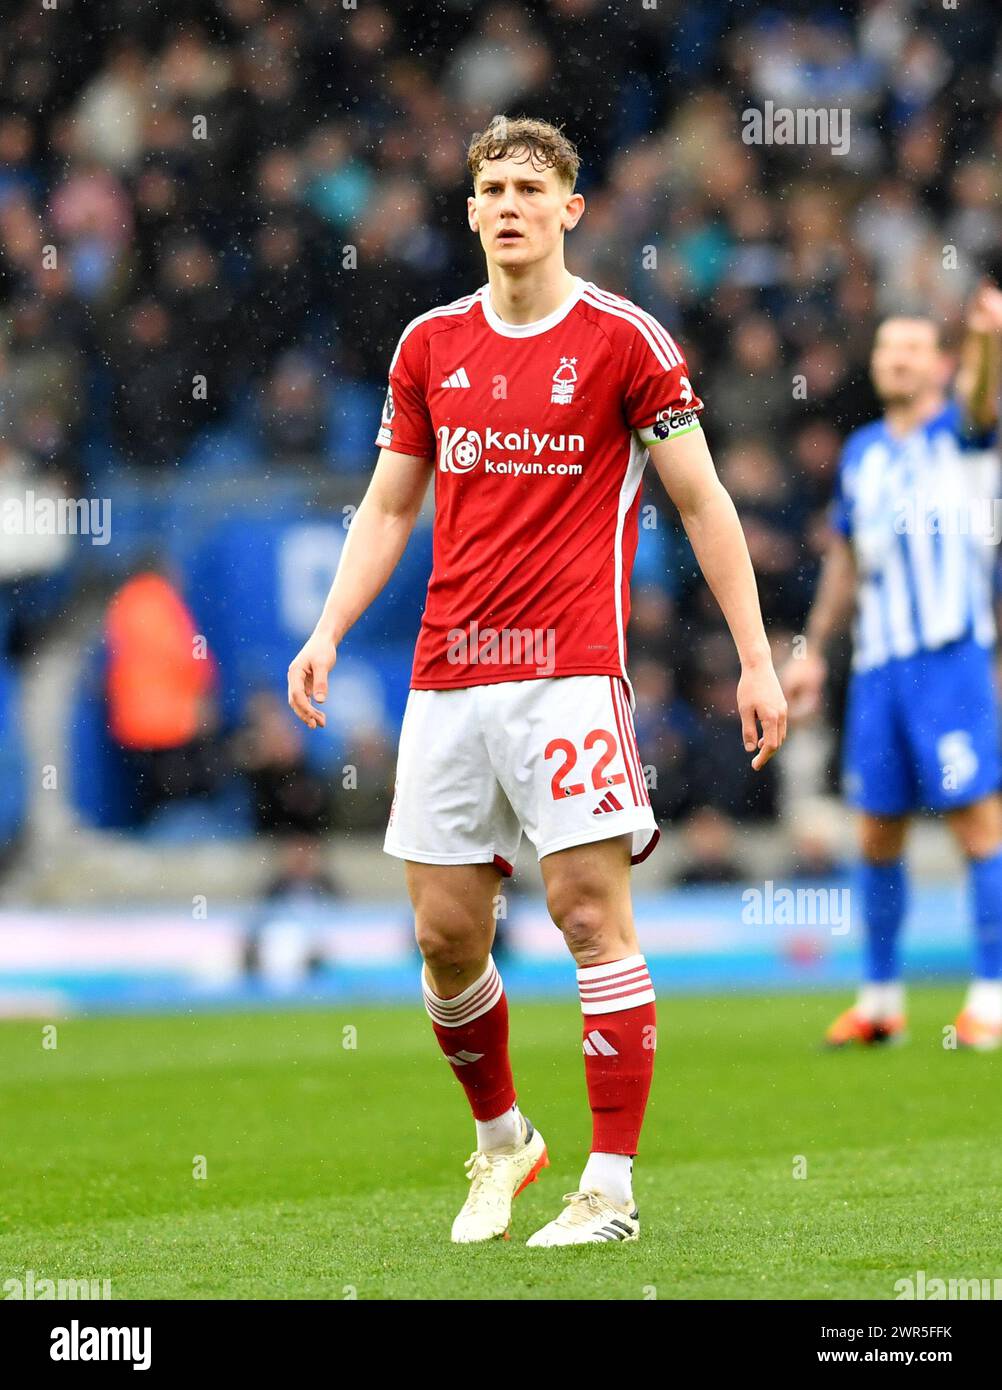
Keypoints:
(884, 889)
(986, 890)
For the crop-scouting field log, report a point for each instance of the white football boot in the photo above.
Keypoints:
(496, 1179)
(589, 1219)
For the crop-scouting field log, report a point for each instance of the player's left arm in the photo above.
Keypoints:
(686, 469)
(979, 378)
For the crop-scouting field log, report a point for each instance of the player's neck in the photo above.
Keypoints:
(525, 294)
(901, 419)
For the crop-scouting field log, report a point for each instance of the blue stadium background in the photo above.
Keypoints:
(263, 194)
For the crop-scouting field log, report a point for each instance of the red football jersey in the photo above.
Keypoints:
(539, 435)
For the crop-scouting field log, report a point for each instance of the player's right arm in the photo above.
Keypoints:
(979, 380)
(805, 673)
(375, 542)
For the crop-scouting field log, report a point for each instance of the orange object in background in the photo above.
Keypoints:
(157, 684)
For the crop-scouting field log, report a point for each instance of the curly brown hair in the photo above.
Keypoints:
(547, 145)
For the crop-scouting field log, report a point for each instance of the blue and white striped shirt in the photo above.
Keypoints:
(923, 517)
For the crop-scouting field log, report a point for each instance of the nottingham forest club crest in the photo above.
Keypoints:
(564, 380)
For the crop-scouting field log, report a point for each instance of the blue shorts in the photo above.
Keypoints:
(922, 732)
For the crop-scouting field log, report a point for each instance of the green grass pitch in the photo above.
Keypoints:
(334, 1172)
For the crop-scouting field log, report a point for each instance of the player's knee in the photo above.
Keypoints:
(583, 915)
(880, 850)
(881, 841)
(451, 944)
(977, 829)
(446, 950)
(979, 841)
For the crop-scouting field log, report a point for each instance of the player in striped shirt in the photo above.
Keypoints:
(916, 528)
(535, 403)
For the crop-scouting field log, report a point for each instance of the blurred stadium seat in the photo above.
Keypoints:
(102, 790)
(13, 766)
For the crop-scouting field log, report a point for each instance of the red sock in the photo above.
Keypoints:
(472, 1030)
(620, 1035)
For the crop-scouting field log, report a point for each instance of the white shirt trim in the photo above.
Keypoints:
(529, 330)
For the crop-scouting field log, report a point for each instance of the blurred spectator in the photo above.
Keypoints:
(762, 493)
(817, 834)
(110, 115)
(667, 730)
(160, 689)
(709, 850)
(35, 550)
(367, 779)
(652, 617)
(293, 415)
(283, 941)
(727, 780)
(287, 795)
(18, 175)
(91, 216)
(302, 875)
(43, 386)
(815, 452)
(153, 406)
(29, 548)
(338, 183)
(493, 69)
(751, 394)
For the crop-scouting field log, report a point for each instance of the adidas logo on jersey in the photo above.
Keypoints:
(608, 803)
(596, 1046)
(457, 378)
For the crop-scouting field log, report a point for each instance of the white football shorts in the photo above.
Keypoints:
(556, 757)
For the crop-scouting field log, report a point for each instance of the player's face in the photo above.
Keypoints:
(520, 210)
(907, 360)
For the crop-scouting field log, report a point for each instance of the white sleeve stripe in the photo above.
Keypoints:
(458, 306)
(652, 343)
(658, 329)
(625, 308)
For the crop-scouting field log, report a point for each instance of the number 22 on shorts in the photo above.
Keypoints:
(599, 781)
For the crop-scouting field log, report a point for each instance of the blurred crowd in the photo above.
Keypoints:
(262, 193)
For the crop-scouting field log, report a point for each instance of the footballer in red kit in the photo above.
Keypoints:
(539, 433)
(535, 402)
